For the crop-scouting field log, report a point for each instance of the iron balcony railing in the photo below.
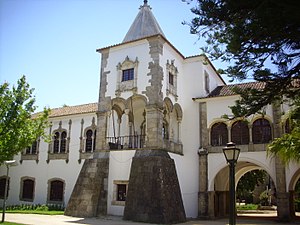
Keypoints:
(126, 142)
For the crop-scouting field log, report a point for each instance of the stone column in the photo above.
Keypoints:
(203, 196)
(282, 195)
(154, 118)
(203, 183)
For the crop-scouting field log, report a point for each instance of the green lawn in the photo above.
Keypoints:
(36, 212)
(246, 207)
(10, 223)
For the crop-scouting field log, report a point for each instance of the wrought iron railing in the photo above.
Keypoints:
(126, 142)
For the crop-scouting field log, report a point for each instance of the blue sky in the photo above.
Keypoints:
(54, 42)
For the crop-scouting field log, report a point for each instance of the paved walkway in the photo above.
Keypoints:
(33, 219)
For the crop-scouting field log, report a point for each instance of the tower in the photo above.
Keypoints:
(136, 114)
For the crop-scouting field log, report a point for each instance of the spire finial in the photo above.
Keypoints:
(145, 2)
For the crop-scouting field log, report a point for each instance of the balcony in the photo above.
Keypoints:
(126, 142)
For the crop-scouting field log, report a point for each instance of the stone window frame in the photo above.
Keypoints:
(172, 70)
(25, 155)
(2, 189)
(23, 179)
(49, 191)
(127, 85)
(219, 137)
(59, 155)
(240, 132)
(264, 130)
(82, 149)
(115, 192)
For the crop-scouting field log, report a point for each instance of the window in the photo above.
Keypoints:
(219, 134)
(56, 191)
(27, 190)
(206, 82)
(165, 129)
(128, 74)
(261, 131)
(56, 142)
(2, 187)
(63, 141)
(171, 79)
(121, 192)
(240, 133)
(90, 142)
(59, 142)
(32, 149)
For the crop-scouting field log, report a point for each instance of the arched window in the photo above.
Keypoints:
(63, 142)
(32, 149)
(219, 134)
(60, 142)
(240, 133)
(261, 131)
(89, 141)
(94, 143)
(56, 191)
(27, 190)
(56, 142)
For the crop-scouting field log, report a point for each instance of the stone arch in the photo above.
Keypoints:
(244, 162)
(168, 104)
(294, 180)
(178, 111)
(218, 185)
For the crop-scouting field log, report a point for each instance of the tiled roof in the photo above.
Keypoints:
(73, 110)
(228, 90)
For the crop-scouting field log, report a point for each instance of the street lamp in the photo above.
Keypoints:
(231, 154)
(8, 164)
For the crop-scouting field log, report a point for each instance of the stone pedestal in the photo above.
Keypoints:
(154, 194)
(89, 196)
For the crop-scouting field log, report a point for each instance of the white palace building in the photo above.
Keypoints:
(151, 148)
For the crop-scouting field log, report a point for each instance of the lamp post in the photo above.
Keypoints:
(231, 154)
(8, 164)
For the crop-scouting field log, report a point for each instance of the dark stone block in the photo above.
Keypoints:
(154, 194)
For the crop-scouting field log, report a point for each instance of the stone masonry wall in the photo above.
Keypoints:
(90, 189)
(154, 194)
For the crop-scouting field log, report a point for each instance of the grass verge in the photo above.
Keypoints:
(36, 212)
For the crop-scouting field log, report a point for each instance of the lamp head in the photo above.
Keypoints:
(231, 152)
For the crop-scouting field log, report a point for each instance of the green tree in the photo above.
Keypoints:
(248, 182)
(19, 128)
(260, 39)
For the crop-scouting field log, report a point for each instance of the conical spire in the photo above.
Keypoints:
(144, 25)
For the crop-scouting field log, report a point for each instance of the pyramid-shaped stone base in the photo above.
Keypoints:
(89, 196)
(154, 194)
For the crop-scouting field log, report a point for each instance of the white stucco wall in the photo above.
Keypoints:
(43, 171)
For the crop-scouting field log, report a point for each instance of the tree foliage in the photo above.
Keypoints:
(287, 147)
(248, 182)
(260, 39)
(18, 128)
